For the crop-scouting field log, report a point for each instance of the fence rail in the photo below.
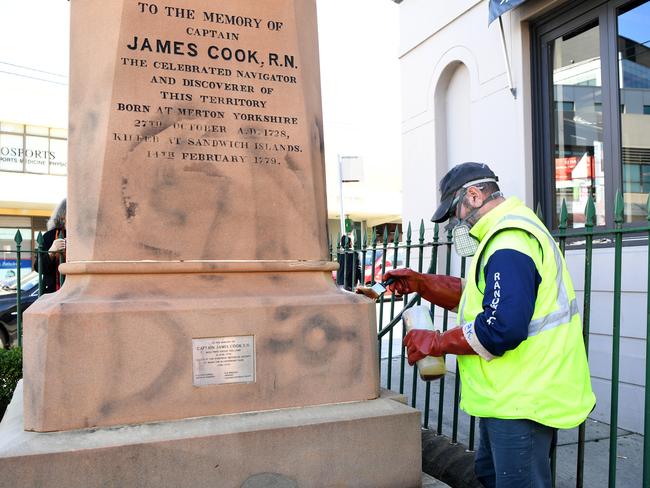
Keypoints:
(414, 252)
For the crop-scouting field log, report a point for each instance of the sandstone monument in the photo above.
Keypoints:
(198, 282)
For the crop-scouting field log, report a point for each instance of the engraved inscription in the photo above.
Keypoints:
(214, 88)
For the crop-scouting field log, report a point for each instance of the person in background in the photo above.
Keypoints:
(519, 343)
(54, 241)
(349, 272)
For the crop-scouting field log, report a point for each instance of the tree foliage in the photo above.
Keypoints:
(11, 370)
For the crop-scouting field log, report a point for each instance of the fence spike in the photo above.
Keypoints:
(39, 239)
(436, 232)
(396, 236)
(564, 215)
(421, 230)
(374, 237)
(385, 236)
(590, 212)
(538, 211)
(408, 233)
(338, 240)
(619, 208)
(365, 240)
(18, 238)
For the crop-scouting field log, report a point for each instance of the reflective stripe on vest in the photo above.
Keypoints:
(565, 309)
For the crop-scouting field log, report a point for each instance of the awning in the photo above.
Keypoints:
(497, 9)
(500, 7)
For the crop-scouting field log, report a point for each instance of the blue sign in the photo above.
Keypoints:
(8, 271)
(11, 263)
(500, 7)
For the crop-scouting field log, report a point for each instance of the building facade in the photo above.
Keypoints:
(33, 123)
(574, 123)
(33, 169)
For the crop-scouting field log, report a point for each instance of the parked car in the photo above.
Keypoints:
(375, 269)
(8, 316)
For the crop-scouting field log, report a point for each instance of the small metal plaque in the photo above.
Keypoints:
(220, 360)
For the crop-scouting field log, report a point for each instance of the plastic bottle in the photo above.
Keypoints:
(430, 367)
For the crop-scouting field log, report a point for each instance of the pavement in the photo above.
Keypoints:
(431, 482)
(596, 468)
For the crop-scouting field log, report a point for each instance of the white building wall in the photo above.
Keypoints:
(27, 191)
(434, 139)
(456, 106)
(458, 118)
(360, 92)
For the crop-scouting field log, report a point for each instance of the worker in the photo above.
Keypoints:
(521, 354)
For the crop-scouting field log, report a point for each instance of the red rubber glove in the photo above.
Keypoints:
(405, 280)
(442, 290)
(420, 343)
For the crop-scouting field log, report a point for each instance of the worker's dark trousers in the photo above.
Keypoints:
(514, 453)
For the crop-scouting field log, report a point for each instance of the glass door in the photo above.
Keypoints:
(577, 117)
(633, 63)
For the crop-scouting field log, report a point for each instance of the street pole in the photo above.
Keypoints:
(340, 160)
(507, 59)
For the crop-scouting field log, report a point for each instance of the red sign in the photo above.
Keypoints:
(574, 168)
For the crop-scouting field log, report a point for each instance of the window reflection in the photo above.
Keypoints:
(633, 44)
(578, 123)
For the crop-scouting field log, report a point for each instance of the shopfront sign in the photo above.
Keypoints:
(36, 158)
(11, 158)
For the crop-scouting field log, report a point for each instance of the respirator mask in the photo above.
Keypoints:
(465, 243)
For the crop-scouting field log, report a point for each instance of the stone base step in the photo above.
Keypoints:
(345, 444)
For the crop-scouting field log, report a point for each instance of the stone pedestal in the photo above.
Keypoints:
(372, 444)
(196, 218)
(118, 348)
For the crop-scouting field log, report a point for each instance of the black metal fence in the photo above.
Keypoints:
(438, 253)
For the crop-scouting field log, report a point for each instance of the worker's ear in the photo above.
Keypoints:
(474, 196)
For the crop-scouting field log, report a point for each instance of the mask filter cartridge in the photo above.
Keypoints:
(465, 244)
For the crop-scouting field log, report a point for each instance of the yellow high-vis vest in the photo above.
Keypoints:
(546, 377)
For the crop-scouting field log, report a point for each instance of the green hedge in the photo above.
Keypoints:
(11, 370)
